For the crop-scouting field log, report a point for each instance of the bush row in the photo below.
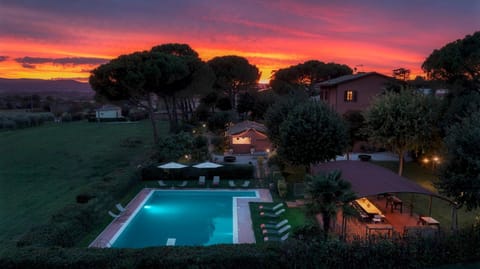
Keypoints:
(414, 253)
(76, 220)
(228, 171)
(13, 121)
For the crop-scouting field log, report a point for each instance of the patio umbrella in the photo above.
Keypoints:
(171, 165)
(207, 165)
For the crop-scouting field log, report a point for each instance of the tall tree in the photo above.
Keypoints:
(355, 123)
(460, 174)
(457, 63)
(311, 133)
(403, 121)
(327, 193)
(233, 74)
(303, 76)
(278, 113)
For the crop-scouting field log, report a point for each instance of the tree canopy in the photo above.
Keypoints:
(457, 63)
(233, 74)
(167, 71)
(460, 175)
(311, 133)
(401, 121)
(303, 76)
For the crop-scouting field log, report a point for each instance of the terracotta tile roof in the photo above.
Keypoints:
(247, 125)
(347, 78)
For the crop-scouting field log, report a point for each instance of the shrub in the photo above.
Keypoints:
(218, 142)
(218, 121)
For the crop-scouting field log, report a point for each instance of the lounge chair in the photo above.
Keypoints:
(162, 184)
(271, 208)
(183, 184)
(120, 207)
(275, 231)
(246, 184)
(201, 180)
(272, 215)
(216, 180)
(113, 214)
(274, 225)
(276, 239)
(231, 184)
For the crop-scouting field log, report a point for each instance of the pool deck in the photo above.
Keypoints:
(244, 221)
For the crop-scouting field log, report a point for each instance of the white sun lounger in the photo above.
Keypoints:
(162, 184)
(246, 184)
(231, 184)
(277, 232)
(283, 238)
(120, 207)
(113, 215)
(273, 215)
(216, 180)
(201, 180)
(274, 226)
(267, 207)
(183, 184)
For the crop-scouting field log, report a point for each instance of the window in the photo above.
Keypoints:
(350, 96)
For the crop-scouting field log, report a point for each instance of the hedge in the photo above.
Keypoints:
(413, 253)
(18, 120)
(227, 171)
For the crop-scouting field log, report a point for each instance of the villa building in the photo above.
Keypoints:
(248, 137)
(351, 92)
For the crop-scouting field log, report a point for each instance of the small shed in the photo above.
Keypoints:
(108, 112)
(248, 137)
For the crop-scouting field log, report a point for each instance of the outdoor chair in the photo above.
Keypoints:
(272, 215)
(183, 184)
(276, 239)
(231, 184)
(162, 184)
(120, 207)
(246, 184)
(274, 226)
(271, 208)
(216, 180)
(277, 232)
(113, 215)
(201, 180)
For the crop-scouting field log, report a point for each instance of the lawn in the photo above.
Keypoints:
(43, 168)
(441, 210)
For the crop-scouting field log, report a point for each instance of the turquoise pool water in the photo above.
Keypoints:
(191, 217)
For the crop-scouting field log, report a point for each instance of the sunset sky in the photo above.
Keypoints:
(66, 39)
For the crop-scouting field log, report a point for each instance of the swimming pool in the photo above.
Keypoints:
(188, 217)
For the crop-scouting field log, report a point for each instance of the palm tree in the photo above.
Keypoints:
(328, 192)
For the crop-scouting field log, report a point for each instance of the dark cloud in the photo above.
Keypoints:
(3, 58)
(30, 62)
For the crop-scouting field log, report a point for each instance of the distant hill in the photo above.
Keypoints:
(54, 88)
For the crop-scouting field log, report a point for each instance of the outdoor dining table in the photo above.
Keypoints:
(368, 207)
(395, 203)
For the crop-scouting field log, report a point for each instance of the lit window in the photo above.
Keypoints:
(241, 140)
(350, 96)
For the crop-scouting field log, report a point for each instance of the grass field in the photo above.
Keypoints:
(43, 168)
(441, 209)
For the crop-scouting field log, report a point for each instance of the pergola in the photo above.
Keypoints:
(368, 179)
